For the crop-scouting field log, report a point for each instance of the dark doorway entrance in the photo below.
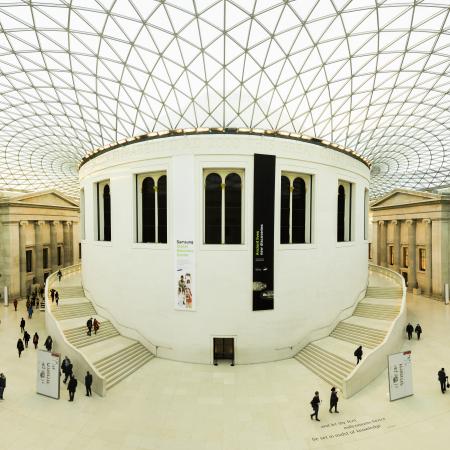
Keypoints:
(223, 349)
(405, 276)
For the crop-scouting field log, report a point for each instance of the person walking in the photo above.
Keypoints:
(56, 298)
(26, 338)
(64, 366)
(52, 294)
(20, 346)
(409, 330)
(88, 384)
(30, 312)
(442, 377)
(2, 385)
(89, 326)
(35, 340)
(15, 304)
(22, 325)
(315, 402)
(358, 353)
(48, 343)
(59, 275)
(333, 400)
(96, 326)
(72, 387)
(418, 331)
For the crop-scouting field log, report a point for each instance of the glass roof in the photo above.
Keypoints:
(366, 74)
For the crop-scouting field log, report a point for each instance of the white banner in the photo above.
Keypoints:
(48, 374)
(400, 375)
(183, 170)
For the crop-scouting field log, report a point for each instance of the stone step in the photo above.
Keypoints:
(376, 311)
(82, 330)
(325, 362)
(311, 365)
(72, 291)
(82, 339)
(71, 311)
(128, 370)
(356, 339)
(375, 332)
(126, 360)
(110, 360)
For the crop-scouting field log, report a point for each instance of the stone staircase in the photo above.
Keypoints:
(122, 363)
(73, 312)
(331, 358)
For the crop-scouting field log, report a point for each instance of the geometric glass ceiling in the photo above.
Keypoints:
(370, 75)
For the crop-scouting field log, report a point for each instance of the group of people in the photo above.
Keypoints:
(67, 370)
(54, 296)
(315, 402)
(410, 329)
(92, 323)
(23, 344)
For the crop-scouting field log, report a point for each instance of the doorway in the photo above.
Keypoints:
(223, 349)
(405, 277)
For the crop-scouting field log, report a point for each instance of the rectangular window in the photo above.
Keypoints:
(223, 201)
(29, 260)
(422, 259)
(366, 214)
(102, 191)
(295, 208)
(59, 250)
(45, 257)
(151, 207)
(82, 214)
(405, 256)
(391, 255)
(344, 211)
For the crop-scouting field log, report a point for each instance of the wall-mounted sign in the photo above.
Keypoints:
(184, 277)
(48, 373)
(263, 231)
(400, 375)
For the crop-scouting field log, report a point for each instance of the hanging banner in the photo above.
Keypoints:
(183, 169)
(48, 373)
(263, 231)
(400, 375)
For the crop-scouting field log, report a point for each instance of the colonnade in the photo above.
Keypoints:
(38, 249)
(382, 250)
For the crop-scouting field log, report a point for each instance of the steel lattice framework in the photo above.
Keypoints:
(366, 74)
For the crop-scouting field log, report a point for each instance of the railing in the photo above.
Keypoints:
(80, 363)
(371, 366)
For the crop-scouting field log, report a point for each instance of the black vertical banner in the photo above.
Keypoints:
(263, 231)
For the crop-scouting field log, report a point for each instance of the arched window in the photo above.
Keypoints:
(298, 211)
(148, 210)
(162, 209)
(213, 209)
(295, 208)
(285, 213)
(106, 213)
(341, 214)
(233, 201)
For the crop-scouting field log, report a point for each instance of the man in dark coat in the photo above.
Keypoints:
(333, 400)
(48, 343)
(64, 366)
(409, 330)
(315, 402)
(20, 346)
(72, 387)
(35, 340)
(26, 338)
(358, 353)
(22, 325)
(88, 384)
(442, 377)
(89, 326)
(418, 331)
(2, 385)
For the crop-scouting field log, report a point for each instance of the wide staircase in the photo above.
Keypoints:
(114, 357)
(331, 358)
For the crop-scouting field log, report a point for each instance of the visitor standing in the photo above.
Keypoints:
(315, 402)
(35, 340)
(2, 385)
(358, 353)
(30, 312)
(64, 367)
(59, 275)
(409, 330)
(15, 304)
(72, 387)
(22, 325)
(333, 400)
(88, 384)
(89, 326)
(26, 338)
(442, 377)
(418, 331)
(20, 346)
(52, 294)
(56, 298)
(48, 343)
(96, 326)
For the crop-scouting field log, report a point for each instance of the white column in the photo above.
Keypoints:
(22, 258)
(412, 275)
(428, 250)
(39, 268)
(397, 256)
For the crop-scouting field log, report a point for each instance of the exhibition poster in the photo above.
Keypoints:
(400, 375)
(48, 373)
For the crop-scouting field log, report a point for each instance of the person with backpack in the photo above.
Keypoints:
(35, 340)
(89, 326)
(20, 346)
(409, 330)
(26, 338)
(315, 402)
(358, 353)
(442, 377)
(72, 387)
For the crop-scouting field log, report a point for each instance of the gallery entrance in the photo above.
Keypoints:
(405, 277)
(223, 349)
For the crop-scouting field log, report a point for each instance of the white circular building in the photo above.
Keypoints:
(224, 243)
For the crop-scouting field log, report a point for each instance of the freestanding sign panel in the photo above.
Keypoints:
(400, 375)
(48, 374)
(263, 230)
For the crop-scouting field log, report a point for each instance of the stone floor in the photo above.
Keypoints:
(176, 406)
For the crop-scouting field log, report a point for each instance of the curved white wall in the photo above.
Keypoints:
(135, 282)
